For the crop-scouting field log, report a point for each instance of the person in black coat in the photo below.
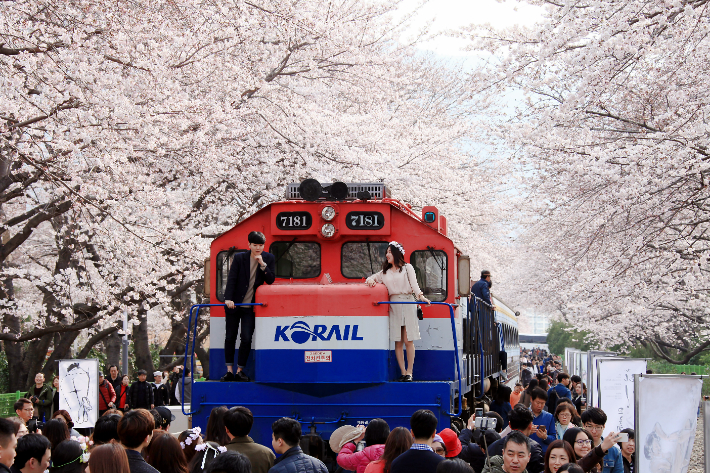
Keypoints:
(420, 457)
(249, 270)
(521, 419)
(161, 394)
(141, 393)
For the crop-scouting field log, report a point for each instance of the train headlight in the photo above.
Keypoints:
(328, 230)
(328, 213)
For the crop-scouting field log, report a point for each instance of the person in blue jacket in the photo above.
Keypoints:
(544, 421)
(594, 420)
(285, 440)
(482, 287)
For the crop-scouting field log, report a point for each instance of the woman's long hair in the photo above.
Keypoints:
(215, 431)
(109, 458)
(56, 432)
(377, 432)
(558, 444)
(398, 259)
(398, 442)
(165, 455)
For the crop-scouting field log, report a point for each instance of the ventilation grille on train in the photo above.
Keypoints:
(376, 190)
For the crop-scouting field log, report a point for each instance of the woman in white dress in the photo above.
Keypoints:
(401, 282)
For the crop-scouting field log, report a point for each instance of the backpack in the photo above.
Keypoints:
(525, 377)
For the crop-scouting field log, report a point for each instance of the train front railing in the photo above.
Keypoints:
(195, 309)
(456, 345)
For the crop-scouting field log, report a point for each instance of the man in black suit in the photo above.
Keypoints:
(420, 457)
(249, 270)
(521, 420)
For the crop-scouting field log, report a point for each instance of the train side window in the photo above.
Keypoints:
(359, 260)
(224, 262)
(431, 267)
(298, 260)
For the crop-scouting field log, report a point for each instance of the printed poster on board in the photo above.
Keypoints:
(667, 419)
(616, 391)
(79, 390)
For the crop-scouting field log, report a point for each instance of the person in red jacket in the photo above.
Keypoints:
(107, 395)
(123, 393)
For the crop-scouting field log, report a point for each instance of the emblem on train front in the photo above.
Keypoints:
(300, 332)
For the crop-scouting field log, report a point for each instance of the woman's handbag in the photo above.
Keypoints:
(420, 312)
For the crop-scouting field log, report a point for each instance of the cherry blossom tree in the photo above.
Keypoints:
(611, 138)
(133, 133)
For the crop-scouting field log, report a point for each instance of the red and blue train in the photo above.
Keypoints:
(321, 349)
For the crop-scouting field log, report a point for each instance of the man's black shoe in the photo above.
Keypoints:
(241, 376)
(228, 377)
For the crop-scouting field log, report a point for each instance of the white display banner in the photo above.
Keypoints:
(79, 390)
(583, 367)
(616, 391)
(666, 422)
(592, 375)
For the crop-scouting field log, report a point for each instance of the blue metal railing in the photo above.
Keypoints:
(456, 345)
(480, 346)
(196, 308)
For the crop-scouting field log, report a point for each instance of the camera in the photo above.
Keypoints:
(35, 424)
(485, 423)
(479, 412)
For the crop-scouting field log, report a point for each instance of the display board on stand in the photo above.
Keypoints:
(592, 374)
(616, 390)
(79, 390)
(666, 419)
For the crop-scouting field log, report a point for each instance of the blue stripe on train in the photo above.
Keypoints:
(429, 365)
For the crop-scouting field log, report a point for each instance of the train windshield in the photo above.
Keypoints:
(431, 269)
(296, 259)
(361, 259)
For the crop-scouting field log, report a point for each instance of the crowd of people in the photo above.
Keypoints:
(543, 425)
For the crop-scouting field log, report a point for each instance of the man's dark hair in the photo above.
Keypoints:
(538, 393)
(632, 435)
(140, 372)
(576, 379)
(256, 238)
(594, 415)
(453, 465)
(20, 403)
(649, 371)
(499, 420)
(239, 420)
(287, 429)
(229, 462)
(423, 424)
(134, 427)
(485, 273)
(516, 437)
(30, 446)
(106, 429)
(562, 376)
(112, 366)
(520, 417)
(7, 430)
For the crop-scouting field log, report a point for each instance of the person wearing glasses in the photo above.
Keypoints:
(587, 456)
(24, 410)
(594, 420)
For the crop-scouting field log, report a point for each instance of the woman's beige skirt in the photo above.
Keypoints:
(403, 315)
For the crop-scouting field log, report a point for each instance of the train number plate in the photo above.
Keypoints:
(293, 221)
(365, 220)
(319, 356)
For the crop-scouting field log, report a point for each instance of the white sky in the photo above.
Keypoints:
(452, 14)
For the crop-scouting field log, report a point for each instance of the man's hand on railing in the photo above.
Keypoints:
(229, 304)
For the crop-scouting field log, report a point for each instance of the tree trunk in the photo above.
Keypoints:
(141, 347)
(112, 346)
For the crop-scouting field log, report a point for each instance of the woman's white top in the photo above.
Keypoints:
(398, 282)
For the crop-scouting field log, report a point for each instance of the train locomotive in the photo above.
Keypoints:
(321, 351)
